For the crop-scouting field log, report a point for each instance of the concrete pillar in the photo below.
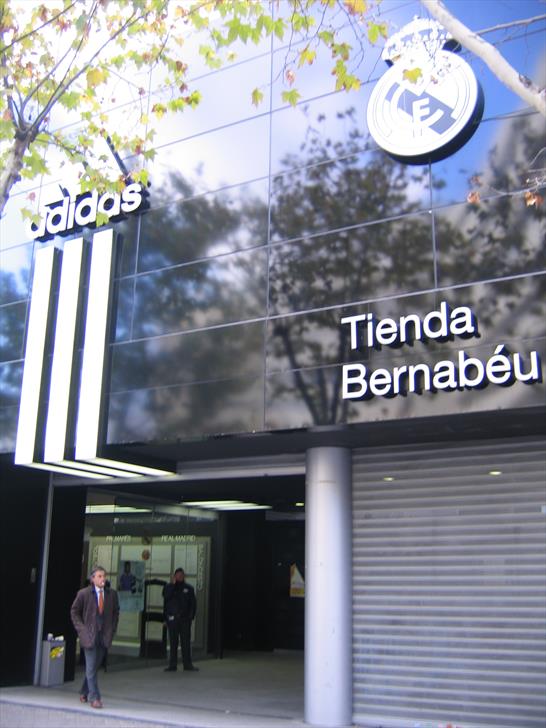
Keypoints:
(328, 588)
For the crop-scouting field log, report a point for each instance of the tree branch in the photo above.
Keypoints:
(39, 28)
(521, 86)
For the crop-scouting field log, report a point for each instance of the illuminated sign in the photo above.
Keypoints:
(429, 103)
(503, 368)
(61, 406)
(69, 214)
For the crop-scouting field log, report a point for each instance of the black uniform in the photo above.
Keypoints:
(179, 612)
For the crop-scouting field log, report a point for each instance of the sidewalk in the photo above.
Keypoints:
(244, 691)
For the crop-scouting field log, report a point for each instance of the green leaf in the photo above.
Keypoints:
(306, 56)
(70, 99)
(257, 97)
(291, 97)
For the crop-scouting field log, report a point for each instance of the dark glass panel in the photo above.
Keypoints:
(178, 359)
(8, 428)
(194, 410)
(11, 377)
(383, 259)
(319, 131)
(501, 236)
(127, 232)
(313, 397)
(202, 227)
(229, 156)
(15, 264)
(12, 330)
(311, 340)
(504, 311)
(124, 293)
(217, 291)
(347, 191)
(500, 158)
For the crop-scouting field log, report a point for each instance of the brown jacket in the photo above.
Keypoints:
(84, 616)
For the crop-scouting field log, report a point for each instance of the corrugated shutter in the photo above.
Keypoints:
(449, 568)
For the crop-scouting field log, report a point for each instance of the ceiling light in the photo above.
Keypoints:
(107, 509)
(300, 505)
(495, 472)
(388, 478)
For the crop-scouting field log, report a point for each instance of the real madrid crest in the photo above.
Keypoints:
(427, 119)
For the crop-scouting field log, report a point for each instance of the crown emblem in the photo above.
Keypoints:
(420, 37)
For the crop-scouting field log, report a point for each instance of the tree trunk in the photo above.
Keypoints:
(489, 54)
(10, 174)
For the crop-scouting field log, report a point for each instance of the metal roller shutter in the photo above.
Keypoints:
(449, 570)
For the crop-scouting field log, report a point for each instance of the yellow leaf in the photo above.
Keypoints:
(94, 76)
(412, 74)
(356, 7)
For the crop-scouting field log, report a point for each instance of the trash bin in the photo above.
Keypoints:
(52, 672)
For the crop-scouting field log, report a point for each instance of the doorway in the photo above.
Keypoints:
(244, 555)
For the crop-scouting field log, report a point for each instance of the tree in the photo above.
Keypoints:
(61, 60)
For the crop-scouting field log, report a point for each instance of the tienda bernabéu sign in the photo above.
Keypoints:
(73, 213)
(502, 368)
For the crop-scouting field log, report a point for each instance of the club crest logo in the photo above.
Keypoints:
(429, 102)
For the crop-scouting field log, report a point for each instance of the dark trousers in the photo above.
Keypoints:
(179, 628)
(93, 660)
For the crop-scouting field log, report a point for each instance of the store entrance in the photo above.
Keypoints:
(243, 556)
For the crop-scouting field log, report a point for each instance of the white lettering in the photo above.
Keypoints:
(70, 213)
(353, 376)
(380, 382)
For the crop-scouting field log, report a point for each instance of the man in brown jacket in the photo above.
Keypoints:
(95, 614)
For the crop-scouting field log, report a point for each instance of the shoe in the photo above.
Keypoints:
(83, 698)
(170, 669)
(96, 704)
(191, 668)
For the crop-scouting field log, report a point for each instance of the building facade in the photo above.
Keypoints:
(296, 303)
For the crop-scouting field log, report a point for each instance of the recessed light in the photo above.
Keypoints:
(495, 472)
(299, 505)
(388, 478)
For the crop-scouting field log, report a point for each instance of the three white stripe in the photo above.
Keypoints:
(62, 373)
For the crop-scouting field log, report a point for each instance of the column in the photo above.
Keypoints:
(328, 588)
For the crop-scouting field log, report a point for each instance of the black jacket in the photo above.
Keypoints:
(179, 600)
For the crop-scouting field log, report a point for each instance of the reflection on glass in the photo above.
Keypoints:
(352, 265)
(512, 313)
(221, 158)
(500, 236)
(124, 309)
(12, 330)
(11, 376)
(504, 156)
(205, 355)
(352, 189)
(194, 410)
(225, 98)
(201, 227)
(311, 340)
(215, 291)
(15, 264)
(127, 239)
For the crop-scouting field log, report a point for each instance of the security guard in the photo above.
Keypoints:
(179, 607)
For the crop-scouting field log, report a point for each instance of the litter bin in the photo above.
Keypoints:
(52, 672)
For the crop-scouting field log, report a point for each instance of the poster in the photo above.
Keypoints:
(297, 585)
(161, 559)
(185, 557)
(130, 585)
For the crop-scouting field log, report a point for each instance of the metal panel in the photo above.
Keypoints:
(449, 588)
